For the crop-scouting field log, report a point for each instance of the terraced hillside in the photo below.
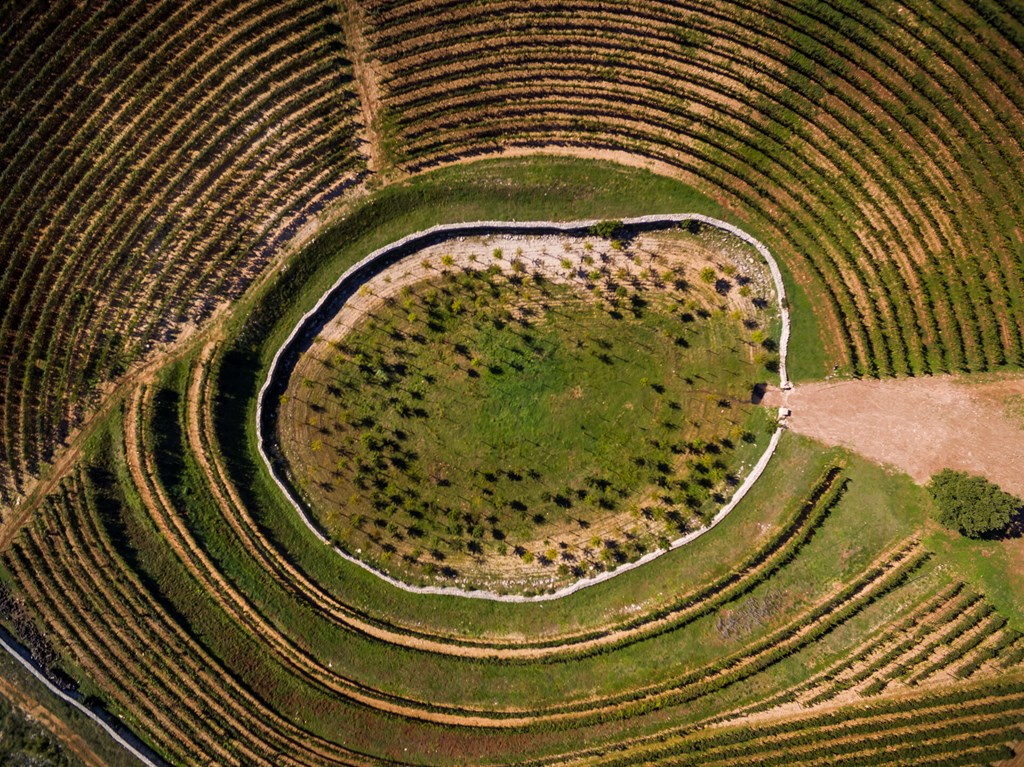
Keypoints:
(181, 183)
(154, 158)
(874, 144)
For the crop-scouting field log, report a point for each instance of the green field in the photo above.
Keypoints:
(484, 415)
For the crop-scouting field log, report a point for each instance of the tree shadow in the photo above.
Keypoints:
(1013, 530)
(758, 393)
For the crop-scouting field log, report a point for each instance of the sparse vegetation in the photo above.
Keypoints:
(26, 742)
(521, 411)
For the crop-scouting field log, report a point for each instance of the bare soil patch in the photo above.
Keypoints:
(919, 425)
(1016, 761)
(366, 76)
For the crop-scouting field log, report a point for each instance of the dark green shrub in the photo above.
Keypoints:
(606, 229)
(972, 505)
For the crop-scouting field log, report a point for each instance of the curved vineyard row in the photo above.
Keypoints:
(819, 131)
(952, 726)
(189, 700)
(152, 162)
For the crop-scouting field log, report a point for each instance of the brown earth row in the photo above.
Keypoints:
(178, 660)
(911, 709)
(942, 654)
(882, 640)
(168, 736)
(937, 641)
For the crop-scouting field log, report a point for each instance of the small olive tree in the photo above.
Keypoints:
(606, 229)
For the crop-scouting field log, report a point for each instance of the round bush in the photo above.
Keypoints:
(972, 505)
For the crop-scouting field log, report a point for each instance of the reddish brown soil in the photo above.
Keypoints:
(919, 425)
(1018, 760)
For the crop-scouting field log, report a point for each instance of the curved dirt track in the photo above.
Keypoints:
(919, 425)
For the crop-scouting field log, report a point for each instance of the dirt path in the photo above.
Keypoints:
(366, 78)
(919, 425)
(1016, 761)
(67, 459)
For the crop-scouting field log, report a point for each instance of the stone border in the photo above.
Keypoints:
(313, 321)
(113, 727)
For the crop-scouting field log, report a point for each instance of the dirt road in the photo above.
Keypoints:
(54, 724)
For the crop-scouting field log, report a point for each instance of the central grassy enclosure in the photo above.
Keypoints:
(517, 412)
